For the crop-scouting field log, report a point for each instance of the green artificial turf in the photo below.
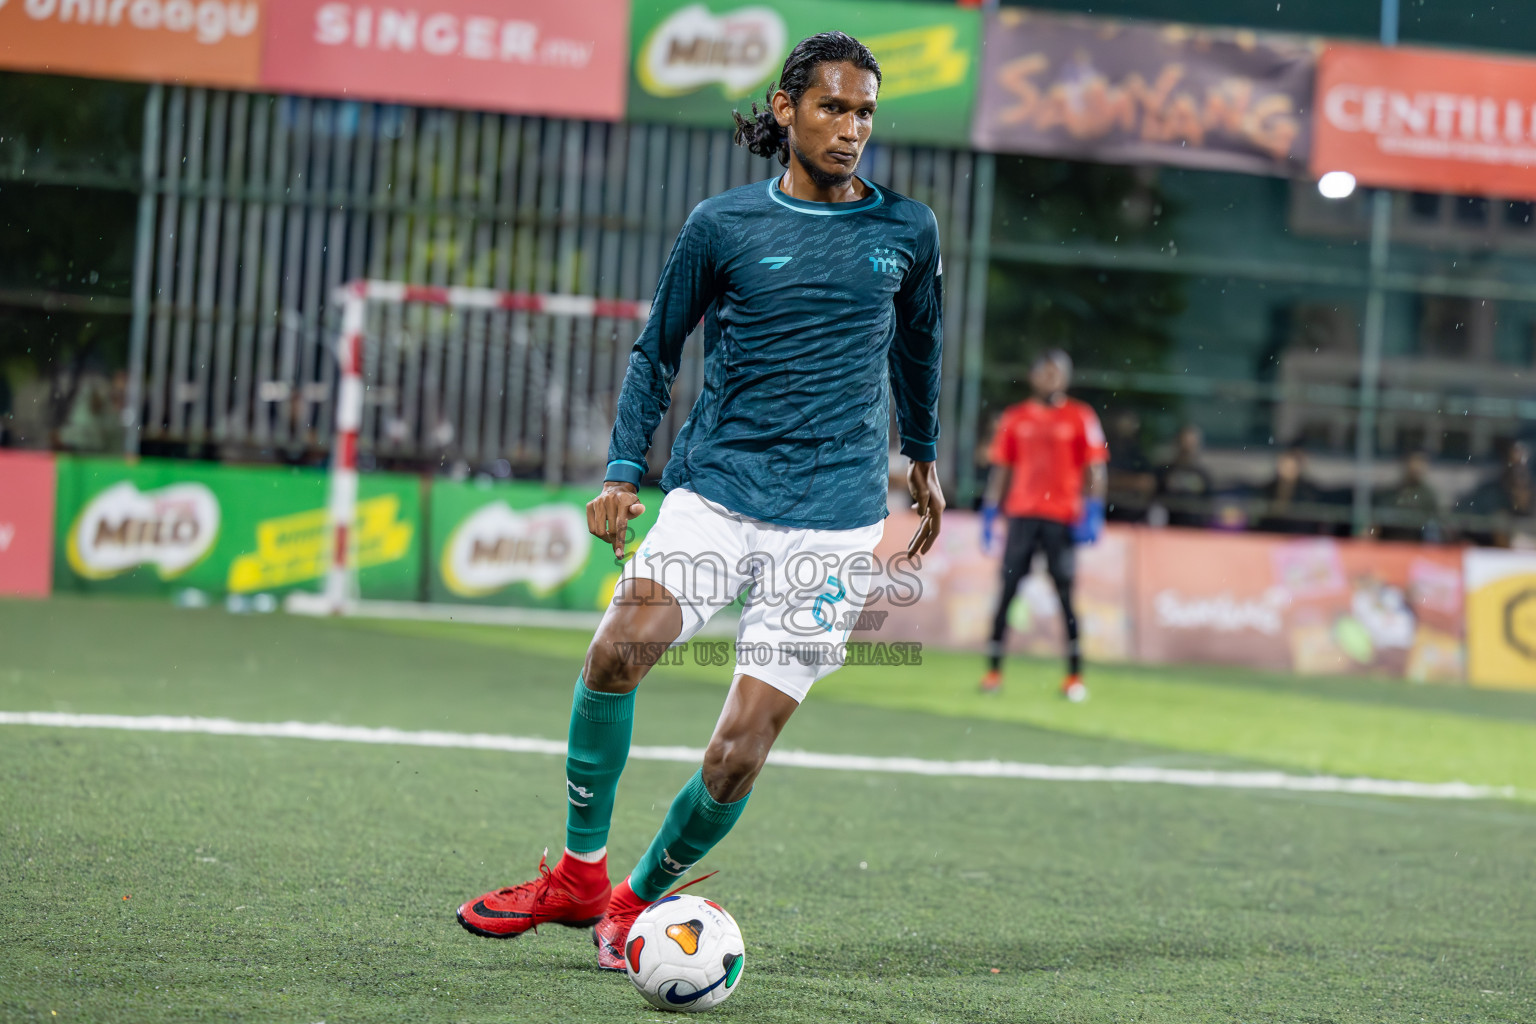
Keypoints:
(291, 880)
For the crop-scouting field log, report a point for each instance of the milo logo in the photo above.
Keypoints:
(495, 547)
(171, 528)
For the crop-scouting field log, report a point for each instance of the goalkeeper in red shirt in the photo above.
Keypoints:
(1049, 479)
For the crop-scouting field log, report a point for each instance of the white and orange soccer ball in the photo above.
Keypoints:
(684, 953)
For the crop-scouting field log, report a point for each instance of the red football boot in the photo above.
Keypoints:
(611, 933)
(991, 682)
(575, 894)
(1073, 689)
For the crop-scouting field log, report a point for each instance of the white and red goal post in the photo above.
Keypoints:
(340, 588)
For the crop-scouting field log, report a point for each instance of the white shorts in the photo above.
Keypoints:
(804, 588)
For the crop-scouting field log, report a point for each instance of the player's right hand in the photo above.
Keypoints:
(609, 513)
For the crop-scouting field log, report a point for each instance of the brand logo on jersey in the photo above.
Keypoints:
(776, 262)
(885, 261)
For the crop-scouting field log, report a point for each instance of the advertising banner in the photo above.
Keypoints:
(564, 59)
(694, 61)
(950, 601)
(1312, 606)
(1144, 92)
(522, 544)
(163, 525)
(204, 42)
(1501, 618)
(26, 523)
(1426, 120)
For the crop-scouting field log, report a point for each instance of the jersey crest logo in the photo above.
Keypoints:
(777, 262)
(885, 261)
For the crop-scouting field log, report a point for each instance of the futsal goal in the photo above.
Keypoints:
(359, 355)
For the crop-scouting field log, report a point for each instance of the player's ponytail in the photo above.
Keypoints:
(761, 133)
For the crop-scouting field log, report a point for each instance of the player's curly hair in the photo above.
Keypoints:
(761, 133)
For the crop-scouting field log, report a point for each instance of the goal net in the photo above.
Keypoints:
(481, 373)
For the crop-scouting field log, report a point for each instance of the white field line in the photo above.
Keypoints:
(1203, 778)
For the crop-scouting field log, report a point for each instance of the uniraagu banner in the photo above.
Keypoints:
(561, 59)
(696, 60)
(1313, 606)
(163, 525)
(1428, 121)
(1501, 618)
(522, 544)
(1144, 92)
(204, 42)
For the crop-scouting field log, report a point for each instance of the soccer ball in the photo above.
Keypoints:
(684, 953)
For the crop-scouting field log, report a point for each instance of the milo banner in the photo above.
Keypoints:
(522, 544)
(1501, 618)
(1145, 93)
(162, 525)
(693, 62)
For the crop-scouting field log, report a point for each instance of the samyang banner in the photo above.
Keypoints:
(1143, 92)
(695, 61)
(1427, 121)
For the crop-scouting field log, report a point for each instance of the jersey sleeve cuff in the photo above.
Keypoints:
(624, 471)
(919, 451)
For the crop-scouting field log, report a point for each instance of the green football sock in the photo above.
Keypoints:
(601, 724)
(695, 823)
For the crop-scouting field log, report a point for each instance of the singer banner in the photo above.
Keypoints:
(1143, 92)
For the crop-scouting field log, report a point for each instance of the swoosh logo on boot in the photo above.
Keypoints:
(485, 911)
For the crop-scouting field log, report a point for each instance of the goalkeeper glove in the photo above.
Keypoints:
(988, 526)
(1091, 525)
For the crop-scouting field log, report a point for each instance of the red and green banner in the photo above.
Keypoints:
(522, 544)
(693, 61)
(159, 526)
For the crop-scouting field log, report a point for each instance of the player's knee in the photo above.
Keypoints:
(613, 667)
(731, 765)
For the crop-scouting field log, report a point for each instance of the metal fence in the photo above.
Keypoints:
(258, 207)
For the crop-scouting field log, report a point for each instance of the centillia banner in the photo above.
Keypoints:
(695, 61)
(1141, 92)
(1428, 121)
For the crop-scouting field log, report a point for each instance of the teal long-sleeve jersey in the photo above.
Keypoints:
(814, 315)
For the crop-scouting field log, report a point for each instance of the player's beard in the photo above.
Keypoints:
(819, 177)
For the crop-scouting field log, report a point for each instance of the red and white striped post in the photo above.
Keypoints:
(349, 418)
(354, 298)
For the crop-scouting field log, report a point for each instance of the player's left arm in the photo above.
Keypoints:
(1095, 453)
(917, 352)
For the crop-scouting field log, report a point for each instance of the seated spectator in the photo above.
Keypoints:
(1184, 484)
(1411, 507)
(1507, 494)
(1290, 488)
(1131, 479)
